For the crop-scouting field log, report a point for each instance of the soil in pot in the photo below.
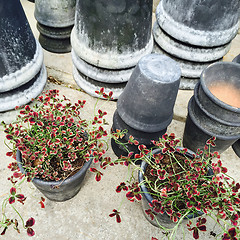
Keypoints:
(226, 93)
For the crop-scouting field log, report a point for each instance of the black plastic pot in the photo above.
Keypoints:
(55, 20)
(58, 191)
(22, 72)
(163, 219)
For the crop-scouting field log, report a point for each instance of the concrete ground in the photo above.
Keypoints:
(85, 217)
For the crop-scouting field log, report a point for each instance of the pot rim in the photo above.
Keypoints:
(208, 92)
(210, 133)
(53, 183)
(209, 114)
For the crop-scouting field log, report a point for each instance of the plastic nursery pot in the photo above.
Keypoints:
(147, 101)
(58, 191)
(162, 219)
(197, 22)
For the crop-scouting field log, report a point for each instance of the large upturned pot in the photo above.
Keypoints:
(58, 191)
(163, 219)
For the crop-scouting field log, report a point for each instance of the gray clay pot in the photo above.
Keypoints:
(147, 101)
(59, 191)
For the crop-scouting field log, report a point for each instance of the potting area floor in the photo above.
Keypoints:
(86, 216)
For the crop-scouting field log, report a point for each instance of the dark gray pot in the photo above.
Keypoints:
(22, 72)
(147, 101)
(199, 127)
(236, 145)
(59, 191)
(55, 22)
(142, 137)
(207, 115)
(163, 219)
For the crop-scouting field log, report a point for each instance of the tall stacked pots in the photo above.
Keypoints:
(22, 73)
(209, 113)
(145, 108)
(195, 33)
(108, 39)
(55, 20)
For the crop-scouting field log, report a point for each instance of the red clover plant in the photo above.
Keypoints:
(181, 185)
(54, 142)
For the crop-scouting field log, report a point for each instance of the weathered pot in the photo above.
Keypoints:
(147, 101)
(22, 72)
(209, 116)
(236, 145)
(109, 38)
(112, 34)
(202, 23)
(163, 219)
(55, 20)
(200, 127)
(58, 191)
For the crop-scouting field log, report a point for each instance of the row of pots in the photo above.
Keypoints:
(193, 41)
(103, 55)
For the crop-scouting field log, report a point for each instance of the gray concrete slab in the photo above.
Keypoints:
(85, 217)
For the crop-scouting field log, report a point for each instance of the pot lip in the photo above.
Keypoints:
(208, 92)
(209, 114)
(220, 137)
(54, 183)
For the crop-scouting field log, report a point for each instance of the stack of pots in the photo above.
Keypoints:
(108, 39)
(55, 20)
(195, 33)
(22, 73)
(236, 145)
(145, 108)
(208, 114)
